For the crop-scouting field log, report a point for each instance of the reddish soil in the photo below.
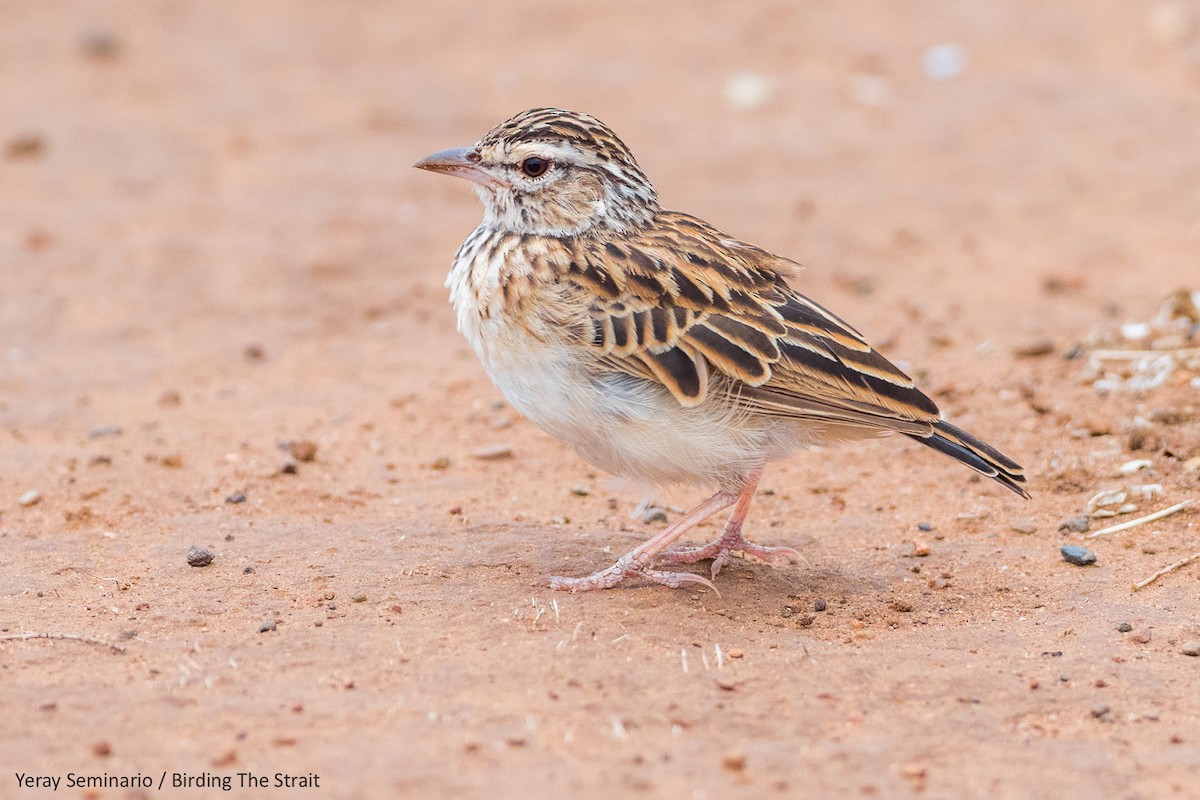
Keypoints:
(211, 238)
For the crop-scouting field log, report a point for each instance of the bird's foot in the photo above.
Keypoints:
(628, 566)
(720, 550)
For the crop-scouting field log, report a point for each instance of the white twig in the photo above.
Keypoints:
(73, 637)
(1133, 523)
(1180, 564)
(1130, 355)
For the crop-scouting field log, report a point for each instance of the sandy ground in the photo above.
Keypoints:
(212, 243)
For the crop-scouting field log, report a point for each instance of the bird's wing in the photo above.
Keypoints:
(686, 306)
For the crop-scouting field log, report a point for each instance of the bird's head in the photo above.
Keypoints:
(553, 173)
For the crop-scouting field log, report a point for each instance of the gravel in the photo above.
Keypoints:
(1190, 649)
(99, 431)
(200, 556)
(303, 450)
(1079, 556)
(1074, 525)
(654, 514)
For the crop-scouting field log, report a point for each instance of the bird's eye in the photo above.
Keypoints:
(535, 167)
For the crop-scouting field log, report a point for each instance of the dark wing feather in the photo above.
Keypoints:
(681, 303)
(687, 298)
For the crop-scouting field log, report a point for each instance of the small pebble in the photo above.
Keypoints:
(820, 605)
(102, 749)
(1023, 526)
(236, 497)
(440, 463)
(1100, 710)
(170, 397)
(303, 450)
(1124, 627)
(1190, 649)
(924, 526)
(1142, 637)
(100, 44)
(200, 556)
(267, 626)
(654, 514)
(30, 498)
(944, 61)
(247, 570)
(289, 468)
(97, 431)
(26, 145)
(921, 548)
(254, 352)
(735, 652)
(1079, 556)
(1074, 525)
(747, 91)
(1035, 349)
(172, 460)
(734, 761)
(493, 452)
(580, 490)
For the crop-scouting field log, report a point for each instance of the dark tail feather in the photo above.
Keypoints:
(981, 457)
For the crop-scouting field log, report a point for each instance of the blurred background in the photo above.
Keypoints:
(212, 243)
(178, 176)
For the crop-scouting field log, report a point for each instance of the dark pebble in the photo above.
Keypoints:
(236, 497)
(100, 44)
(248, 570)
(1080, 556)
(654, 514)
(26, 145)
(924, 526)
(1100, 710)
(267, 626)
(200, 556)
(819, 605)
(1074, 525)
(1124, 627)
(288, 468)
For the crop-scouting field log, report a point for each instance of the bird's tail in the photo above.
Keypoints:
(979, 456)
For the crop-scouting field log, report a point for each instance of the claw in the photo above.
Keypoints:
(619, 571)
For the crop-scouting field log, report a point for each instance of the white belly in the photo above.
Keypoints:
(632, 427)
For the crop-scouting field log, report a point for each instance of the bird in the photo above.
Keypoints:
(657, 346)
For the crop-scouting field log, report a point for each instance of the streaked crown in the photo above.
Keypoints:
(552, 172)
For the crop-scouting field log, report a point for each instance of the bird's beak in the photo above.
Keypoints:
(462, 162)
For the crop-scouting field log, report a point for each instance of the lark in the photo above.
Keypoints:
(657, 346)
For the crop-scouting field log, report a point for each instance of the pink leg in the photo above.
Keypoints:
(638, 560)
(731, 539)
